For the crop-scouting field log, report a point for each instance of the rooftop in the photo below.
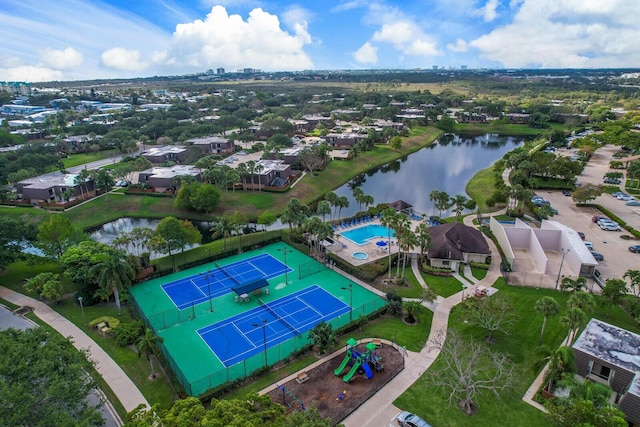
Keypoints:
(613, 345)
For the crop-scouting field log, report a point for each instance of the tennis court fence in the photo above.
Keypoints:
(310, 268)
(275, 355)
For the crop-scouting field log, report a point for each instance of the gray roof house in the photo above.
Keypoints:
(51, 186)
(213, 144)
(456, 243)
(165, 153)
(161, 178)
(610, 355)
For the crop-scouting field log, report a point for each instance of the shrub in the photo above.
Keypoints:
(111, 322)
(128, 333)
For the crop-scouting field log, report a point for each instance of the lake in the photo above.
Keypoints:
(447, 165)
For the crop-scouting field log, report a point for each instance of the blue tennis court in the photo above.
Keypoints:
(238, 337)
(219, 281)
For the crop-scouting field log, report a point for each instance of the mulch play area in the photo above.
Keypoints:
(328, 392)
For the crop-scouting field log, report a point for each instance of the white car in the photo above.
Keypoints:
(588, 244)
(610, 227)
(606, 221)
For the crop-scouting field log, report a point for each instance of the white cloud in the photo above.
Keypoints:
(571, 34)
(230, 41)
(367, 54)
(65, 59)
(488, 12)
(408, 38)
(29, 73)
(122, 59)
(297, 18)
(459, 46)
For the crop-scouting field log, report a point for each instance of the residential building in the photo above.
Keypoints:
(213, 144)
(610, 355)
(162, 178)
(455, 244)
(51, 186)
(165, 153)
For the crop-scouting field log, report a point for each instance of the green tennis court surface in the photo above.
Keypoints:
(194, 362)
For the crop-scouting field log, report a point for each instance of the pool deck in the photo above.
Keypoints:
(344, 248)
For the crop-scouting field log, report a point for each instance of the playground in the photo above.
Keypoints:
(329, 392)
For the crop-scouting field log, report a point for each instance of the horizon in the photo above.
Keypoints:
(82, 40)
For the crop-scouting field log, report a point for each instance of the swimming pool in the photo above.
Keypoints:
(362, 235)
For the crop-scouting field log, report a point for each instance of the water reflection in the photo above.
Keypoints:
(445, 166)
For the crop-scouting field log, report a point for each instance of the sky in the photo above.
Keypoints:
(49, 40)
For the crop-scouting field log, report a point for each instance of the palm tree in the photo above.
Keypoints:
(573, 320)
(251, 168)
(423, 236)
(145, 344)
(388, 219)
(332, 197)
(242, 171)
(459, 202)
(223, 227)
(443, 202)
(573, 285)
(342, 202)
(547, 306)
(403, 230)
(257, 169)
(582, 300)
(114, 273)
(323, 208)
(634, 277)
(357, 196)
(433, 196)
(406, 241)
(561, 361)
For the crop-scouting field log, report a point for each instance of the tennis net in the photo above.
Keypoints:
(227, 274)
(278, 317)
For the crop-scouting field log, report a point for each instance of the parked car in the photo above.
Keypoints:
(597, 218)
(617, 193)
(610, 227)
(635, 249)
(588, 244)
(632, 203)
(581, 234)
(621, 196)
(611, 181)
(626, 198)
(407, 419)
(598, 256)
(566, 192)
(542, 202)
(607, 221)
(536, 199)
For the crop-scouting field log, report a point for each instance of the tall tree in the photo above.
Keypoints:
(548, 307)
(323, 208)
(613, 292)
(574, 320)
(561, 361)
(222, 227)
(16, 236)
(468, 369)
(57, 235)
(634, 278)
(146, 343)
(169, 236)
(493, 313)
(423, 236)
(582, 300)
(47, 387)
(114, 274)
(388, 219)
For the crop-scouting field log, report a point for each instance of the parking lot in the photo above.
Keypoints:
(617, 258)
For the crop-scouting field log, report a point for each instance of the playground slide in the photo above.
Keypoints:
(367, 370)
(343, 364)
(353, 370)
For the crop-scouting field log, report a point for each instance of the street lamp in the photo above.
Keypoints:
(564, 253)
(206, 276)
(284, 250)
(463, 288)
(264, 338)
(84, 320)
(350, 300)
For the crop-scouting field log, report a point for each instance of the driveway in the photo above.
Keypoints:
(617, 258)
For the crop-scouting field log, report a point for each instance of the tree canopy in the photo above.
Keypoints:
(47, 387)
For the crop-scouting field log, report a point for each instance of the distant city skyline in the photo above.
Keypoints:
(47, 40)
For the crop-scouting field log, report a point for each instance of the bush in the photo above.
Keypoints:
(128, 333)
(111, 322)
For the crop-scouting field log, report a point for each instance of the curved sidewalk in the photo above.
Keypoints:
(121, 385)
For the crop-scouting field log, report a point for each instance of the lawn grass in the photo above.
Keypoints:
(412, 289)
(78, 159)
(479, 273)
(137, 368)
(13, 276)
(431, 403)
(444, 286)
(481, 187)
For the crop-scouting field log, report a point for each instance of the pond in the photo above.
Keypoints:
(447, 165)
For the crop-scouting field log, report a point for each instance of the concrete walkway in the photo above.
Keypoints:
(120, 383)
